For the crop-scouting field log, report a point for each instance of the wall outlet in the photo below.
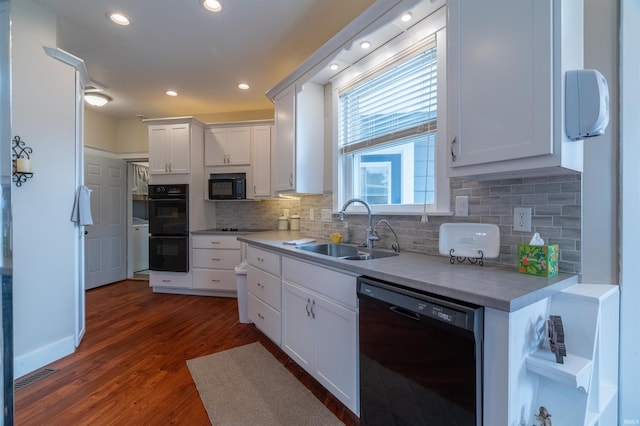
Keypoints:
(312, 215)
(522, 219)
(326, 215)
(462, 205)
(285, 213)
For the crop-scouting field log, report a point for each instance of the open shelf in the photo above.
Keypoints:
(575, 372)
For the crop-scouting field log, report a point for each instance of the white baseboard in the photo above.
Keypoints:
(31, 361)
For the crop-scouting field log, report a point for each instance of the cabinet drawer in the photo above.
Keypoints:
(264, 286)
(170, 279)
(338, 286)
(218, 259)
(264, 260)
(265, 318)
(215, 241)
(209, 279)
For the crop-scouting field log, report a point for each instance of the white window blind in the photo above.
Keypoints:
(391, 102)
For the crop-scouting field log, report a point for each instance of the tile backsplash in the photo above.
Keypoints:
(555, 202)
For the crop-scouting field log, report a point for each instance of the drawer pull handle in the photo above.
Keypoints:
(215, 242)
(260, 285)
(215, 260)
(260, 259)
(307, 307)
(215, 281)
(166, 281)
(260, 316)
(313, 309)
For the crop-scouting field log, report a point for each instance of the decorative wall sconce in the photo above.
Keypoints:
(21, 161)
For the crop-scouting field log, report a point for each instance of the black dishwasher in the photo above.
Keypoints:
(420, 357)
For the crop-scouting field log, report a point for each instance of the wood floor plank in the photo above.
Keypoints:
(130, 368)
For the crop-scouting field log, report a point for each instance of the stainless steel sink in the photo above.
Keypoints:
(343, 251)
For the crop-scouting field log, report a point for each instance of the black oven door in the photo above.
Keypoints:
(168, 217)
(169, 253)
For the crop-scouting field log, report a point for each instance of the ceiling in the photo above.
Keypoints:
(178, 45)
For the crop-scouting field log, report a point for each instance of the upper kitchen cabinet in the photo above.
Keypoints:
(298, 150)
(170, 145)
(227, 146)
(261, 160)
(506, 64)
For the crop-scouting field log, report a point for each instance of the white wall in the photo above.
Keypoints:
(44, 238)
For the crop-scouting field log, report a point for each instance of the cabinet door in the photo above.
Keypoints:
(239, 146)
(158, 149)
(261, 160)
(500, 80)
(179, 147)
(298, 333)
(337, 357)
(215, 142)
(284, 147)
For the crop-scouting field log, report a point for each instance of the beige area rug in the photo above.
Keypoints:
(248, 386)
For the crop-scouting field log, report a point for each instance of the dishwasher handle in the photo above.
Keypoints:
(407, 313)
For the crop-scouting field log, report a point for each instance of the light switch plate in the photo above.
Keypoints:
(326, 215)
(312, 215)
(462, 205)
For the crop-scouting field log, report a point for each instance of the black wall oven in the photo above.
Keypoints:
(169, 228)
(420, 358)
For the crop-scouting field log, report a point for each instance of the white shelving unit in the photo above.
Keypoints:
(584, 389)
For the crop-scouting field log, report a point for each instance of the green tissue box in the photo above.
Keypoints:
(538, 260)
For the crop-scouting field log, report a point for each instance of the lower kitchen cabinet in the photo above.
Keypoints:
(320, 333)
(264, 292)
(214, 258)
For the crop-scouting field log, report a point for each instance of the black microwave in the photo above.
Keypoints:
(227, 186)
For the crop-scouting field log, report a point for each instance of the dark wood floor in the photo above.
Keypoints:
(130, 368)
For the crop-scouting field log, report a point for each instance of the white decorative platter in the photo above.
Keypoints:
(469, 239)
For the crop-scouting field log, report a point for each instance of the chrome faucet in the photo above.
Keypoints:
(372, 235)
(395, 246)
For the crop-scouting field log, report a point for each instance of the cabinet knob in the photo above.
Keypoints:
(291, 180)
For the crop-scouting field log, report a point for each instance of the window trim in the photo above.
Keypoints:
(432, 25)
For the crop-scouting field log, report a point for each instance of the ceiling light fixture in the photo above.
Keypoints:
(243, 86)
(97, 99)
(333, 67)
(171, 93)
(212, 5)
(119, 19)
(365, 45)
(406, 17)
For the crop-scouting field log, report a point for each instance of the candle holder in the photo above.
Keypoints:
(21, 161)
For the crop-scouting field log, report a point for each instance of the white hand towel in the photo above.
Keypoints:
(81, 212)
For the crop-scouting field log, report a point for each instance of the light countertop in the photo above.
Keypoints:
(492, 286)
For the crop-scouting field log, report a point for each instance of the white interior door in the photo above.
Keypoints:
(105, 240)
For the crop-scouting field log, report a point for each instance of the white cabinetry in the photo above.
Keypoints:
(169, 148)
(506, 64)
(264, 292)
(298, 153)
(320, 326)
(227, 146)
(261, 160)
(214, 260)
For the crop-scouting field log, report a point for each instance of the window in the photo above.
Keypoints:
(388, 132)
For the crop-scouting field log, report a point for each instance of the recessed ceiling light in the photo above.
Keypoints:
(333, 67)
(97, 99)
(171, 93)
(406, 17)
(119, 19)
(365, 45)
(243, 86)
(212, 5)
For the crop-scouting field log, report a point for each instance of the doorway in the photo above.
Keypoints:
(138, 219)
